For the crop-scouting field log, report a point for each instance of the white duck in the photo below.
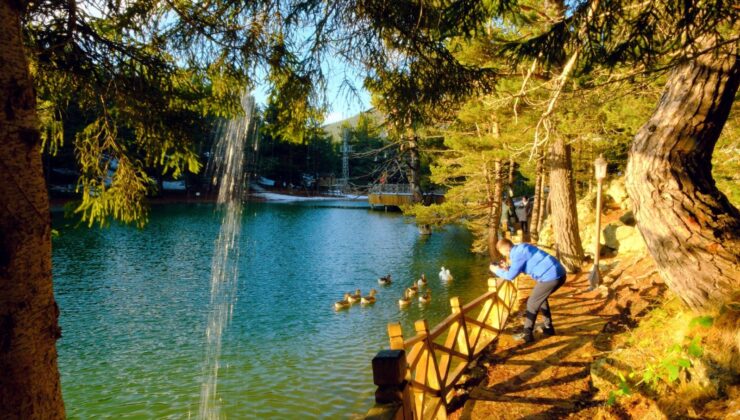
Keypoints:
(444, 274)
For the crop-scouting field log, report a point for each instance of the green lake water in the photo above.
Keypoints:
(134, 305)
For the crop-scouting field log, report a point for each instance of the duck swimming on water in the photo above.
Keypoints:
(426, 297)
(422, 281)
(342, 304)
(444, 274)
(369, 299)
(411, 291)
(356, 297)
(385, 280)
(405, 300)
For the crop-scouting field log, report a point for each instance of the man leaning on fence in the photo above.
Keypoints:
(545, 269)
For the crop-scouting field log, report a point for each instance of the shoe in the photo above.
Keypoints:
(548, 331)
(525, 336)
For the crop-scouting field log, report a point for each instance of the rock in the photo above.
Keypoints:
(628, 218)
(618, 193)
(609, 233)
(630, 240)
(603, 291)
(622, 238)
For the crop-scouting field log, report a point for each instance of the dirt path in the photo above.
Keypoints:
(549, 378)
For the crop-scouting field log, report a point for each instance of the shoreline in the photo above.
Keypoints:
(57, 204)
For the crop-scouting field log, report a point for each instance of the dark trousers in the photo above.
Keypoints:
(538, 302)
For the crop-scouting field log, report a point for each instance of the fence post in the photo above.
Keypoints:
(396, 336)
(393, 397)
(493, 284)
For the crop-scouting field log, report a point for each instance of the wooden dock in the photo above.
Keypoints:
(395, 196)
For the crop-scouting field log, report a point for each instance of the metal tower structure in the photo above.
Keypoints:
(346, 149)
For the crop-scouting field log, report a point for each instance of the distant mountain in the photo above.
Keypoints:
(335, 129)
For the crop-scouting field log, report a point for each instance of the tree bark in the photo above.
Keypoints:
(544, 197)
(510, 178)
(563, 207)
(495, 189)
(690, 228)
(534, 226)
(414, 173)
(29, 377)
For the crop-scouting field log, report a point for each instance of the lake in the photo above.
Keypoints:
(134, 305)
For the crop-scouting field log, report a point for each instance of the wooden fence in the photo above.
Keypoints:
(436, 359)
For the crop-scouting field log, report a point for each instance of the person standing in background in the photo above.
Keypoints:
(521, 215)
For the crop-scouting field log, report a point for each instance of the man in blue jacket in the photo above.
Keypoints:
(545, 269)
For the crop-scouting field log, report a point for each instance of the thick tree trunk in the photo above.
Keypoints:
(690, 228)
(534, 227)
(495, 188)
(563, 207)
(29, 377)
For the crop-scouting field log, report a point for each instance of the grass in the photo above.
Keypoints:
(685, 364)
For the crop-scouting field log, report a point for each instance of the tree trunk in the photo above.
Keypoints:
(563, 207)
(414, 171)
(29, 377)
(537, 203)
(495, 189)
(690, 228)
(544, 197)
(510, 178)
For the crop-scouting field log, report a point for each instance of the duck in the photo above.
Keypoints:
(426, 297)
(369, 299)
(444, 274)
(385, 280)
(422, 281)
(342, 304)
(405, 300)
(356, 297)
(411, 291)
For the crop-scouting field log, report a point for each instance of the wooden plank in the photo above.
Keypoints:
(396, 336)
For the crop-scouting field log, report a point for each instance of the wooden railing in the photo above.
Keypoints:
(436, 359)
(390, 189)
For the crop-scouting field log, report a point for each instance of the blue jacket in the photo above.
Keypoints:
(534, 262)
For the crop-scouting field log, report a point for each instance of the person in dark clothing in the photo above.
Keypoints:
(545, 269)
(510, 211)
(528, 205)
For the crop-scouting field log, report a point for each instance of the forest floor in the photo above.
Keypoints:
(551, 378)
